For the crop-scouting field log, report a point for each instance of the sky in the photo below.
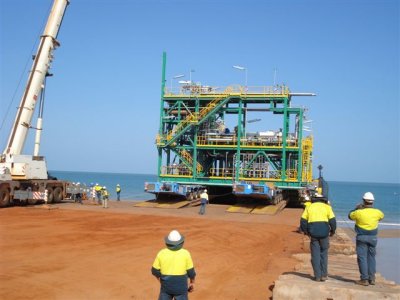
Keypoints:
(102, 104)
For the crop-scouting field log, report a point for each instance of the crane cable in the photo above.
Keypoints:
(26, 66)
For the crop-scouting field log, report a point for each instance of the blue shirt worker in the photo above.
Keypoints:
(367, 218)
(172, 267)
(203, 202)
(318, 222)
(118, 191)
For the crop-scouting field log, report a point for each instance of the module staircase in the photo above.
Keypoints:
(197, 118)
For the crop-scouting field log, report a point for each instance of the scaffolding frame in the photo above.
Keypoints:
(192, 148)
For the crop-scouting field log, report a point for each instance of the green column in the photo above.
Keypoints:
(160, 130)
(284, 135)
(239, 136)
(299, 143)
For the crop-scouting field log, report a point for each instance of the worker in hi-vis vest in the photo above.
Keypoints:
(173, 267)
(367, 218)
(118, 191)
(318, 222)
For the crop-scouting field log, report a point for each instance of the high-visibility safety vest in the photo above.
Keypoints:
(318, 220)
(367, 220)
(204, 195)
(173, 267)
(118, 189)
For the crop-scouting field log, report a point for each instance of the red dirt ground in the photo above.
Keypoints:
(86, 252)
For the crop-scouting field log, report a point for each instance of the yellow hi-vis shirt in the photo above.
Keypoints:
(318, 220)
(318, 212)
(173, 262)
(367, 218)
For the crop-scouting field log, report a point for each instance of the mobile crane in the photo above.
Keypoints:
(23, 177)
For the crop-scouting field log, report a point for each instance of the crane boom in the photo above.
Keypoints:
(40, 67)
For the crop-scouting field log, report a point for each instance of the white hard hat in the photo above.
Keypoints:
(368, 197)
(205, 191)
(174, 238)
(118, 184)
(307, 198)
(104, 187)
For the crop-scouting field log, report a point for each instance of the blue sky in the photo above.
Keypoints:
(102, 105)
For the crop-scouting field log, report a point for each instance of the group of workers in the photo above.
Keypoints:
(173, 266)
(103, 195)
(318, 222)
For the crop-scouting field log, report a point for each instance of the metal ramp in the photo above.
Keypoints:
(257, 209)
(162, 204)
(269, 209)
(241, 208)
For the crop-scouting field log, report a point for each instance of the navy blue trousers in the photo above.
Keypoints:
(319, 256)
(366, 251)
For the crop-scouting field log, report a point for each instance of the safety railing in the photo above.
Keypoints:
(260, 173)
(221, 139)
(291, 174)
(226, 173)
(196, 89)
(196, 117)
(188, 157)
(177, 170)
(306, 158)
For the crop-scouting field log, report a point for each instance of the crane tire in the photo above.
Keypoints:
(32, 201)
(57, 194)
(50, 195)
(4, 196)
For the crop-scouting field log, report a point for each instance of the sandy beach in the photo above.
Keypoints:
(87, 252)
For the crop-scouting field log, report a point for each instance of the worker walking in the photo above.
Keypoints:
(203, 202)
(118, 191)
(172, 267)
(367, 218)
(105, 197)
(318, 222)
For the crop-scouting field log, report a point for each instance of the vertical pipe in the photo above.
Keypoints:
(239, 136)
(164, 63)
(284, 136)
(300, 168)
(160, 130)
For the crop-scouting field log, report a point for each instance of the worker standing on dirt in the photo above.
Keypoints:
(172, 267)
(203, 202)
(98, 189)
(118, 191)
(105, 197)
(318, 222)
(367, 218)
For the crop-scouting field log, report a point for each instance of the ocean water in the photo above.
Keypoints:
(344, 196)
(132, 185)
